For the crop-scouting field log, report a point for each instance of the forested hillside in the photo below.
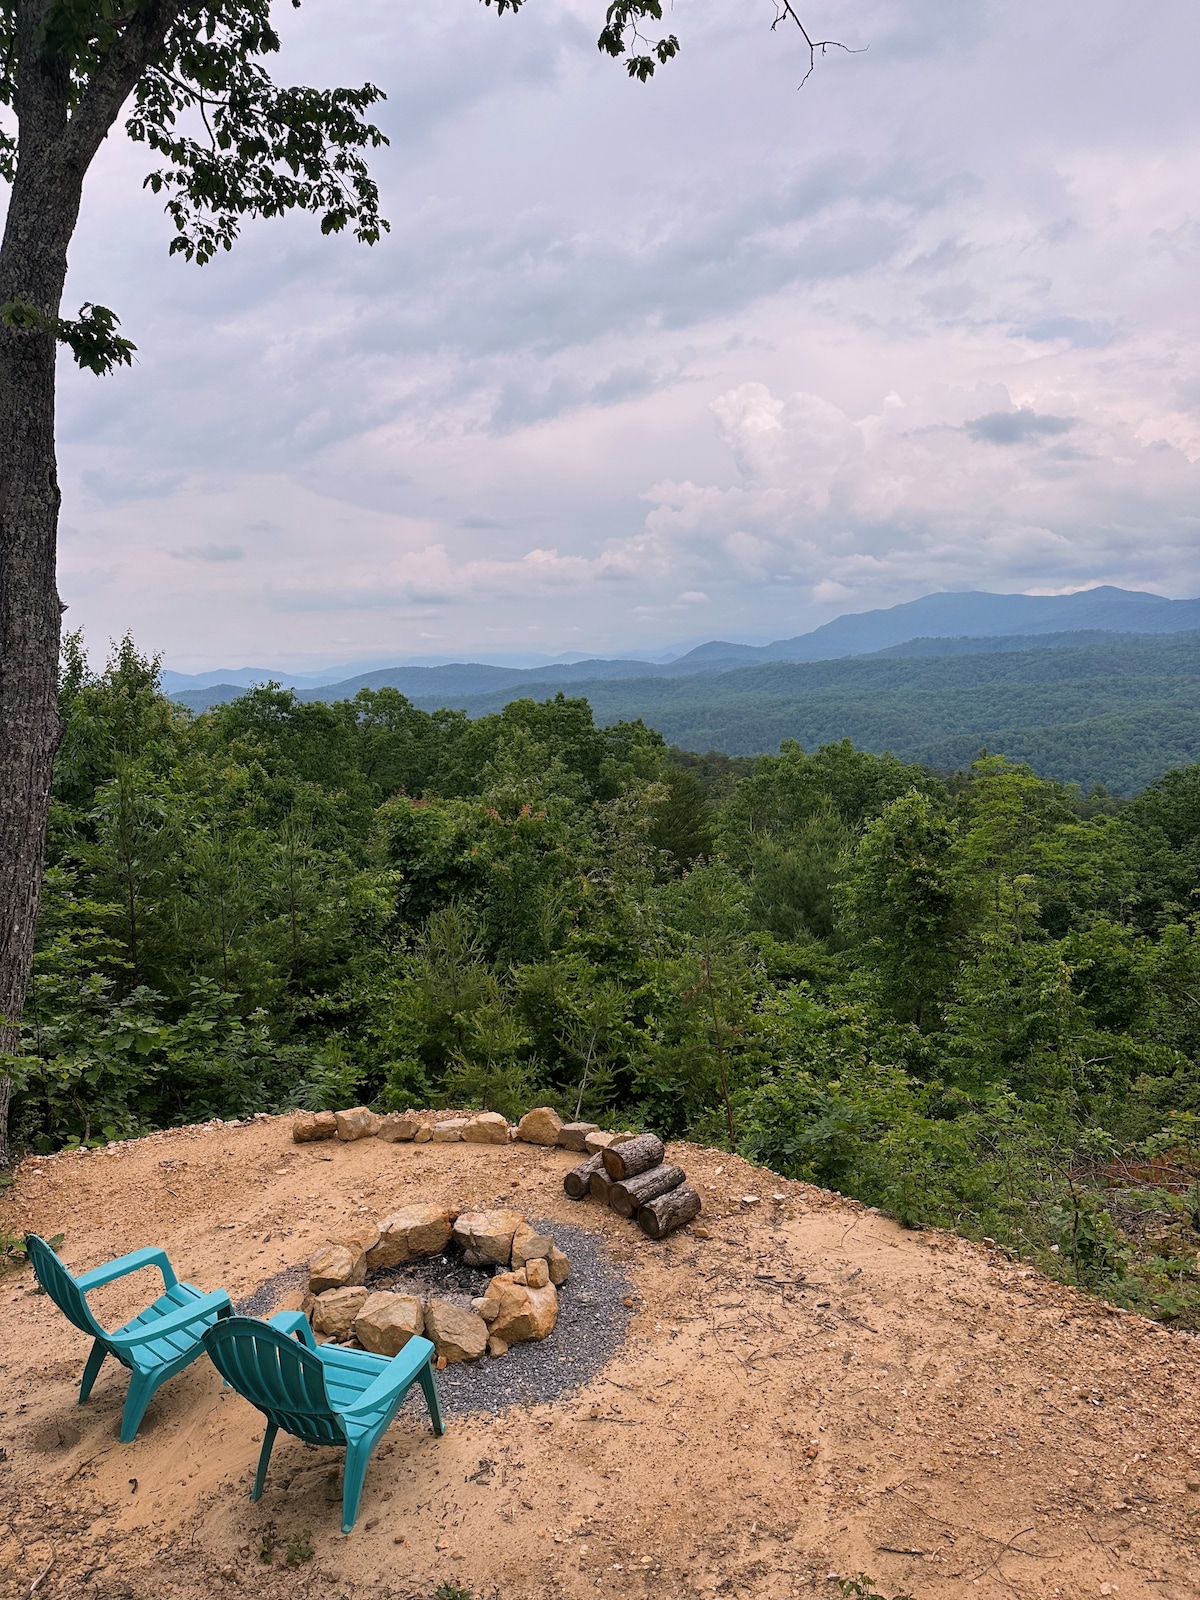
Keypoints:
(973, 1001)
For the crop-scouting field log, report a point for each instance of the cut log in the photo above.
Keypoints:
(577, 1180)
(629, 1196)
(623, 1161)
(600, 1185)
(670, 1211)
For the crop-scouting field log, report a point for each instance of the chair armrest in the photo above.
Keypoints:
(150, 1257)
(218, 1301)
(400, 1371)
(294, 1322)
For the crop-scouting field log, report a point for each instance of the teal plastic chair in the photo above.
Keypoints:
(321, 1394)
(156, 1344)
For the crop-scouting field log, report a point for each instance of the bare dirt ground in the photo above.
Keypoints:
(808, 1391)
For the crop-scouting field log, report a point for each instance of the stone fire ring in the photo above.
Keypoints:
(519, 1303)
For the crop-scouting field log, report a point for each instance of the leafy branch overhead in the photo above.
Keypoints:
(92, 338)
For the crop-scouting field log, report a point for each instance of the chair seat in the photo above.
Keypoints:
(178, 1345)
(350, 1373)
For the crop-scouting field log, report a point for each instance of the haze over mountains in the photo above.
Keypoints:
(945, 617)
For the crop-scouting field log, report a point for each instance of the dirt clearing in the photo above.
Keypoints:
(808, 1391)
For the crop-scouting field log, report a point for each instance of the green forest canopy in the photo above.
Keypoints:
(971, 1000)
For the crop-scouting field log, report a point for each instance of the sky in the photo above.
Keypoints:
(714, 356)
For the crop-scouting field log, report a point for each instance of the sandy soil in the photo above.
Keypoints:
(808, 1391)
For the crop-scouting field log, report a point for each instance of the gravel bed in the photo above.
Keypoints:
(592, 1323)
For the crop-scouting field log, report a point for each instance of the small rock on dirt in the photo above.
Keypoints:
(388, 1321)
(540, 1126)
(489, 1127)
(488, 1235)
(458, 1334)
(396, 1128)
(337, 1266)
(573, 1135)
(358, 1123)
(308, 1126)
(335, 1311)
(529, 1245)
(420, 1230)
(524, 1313)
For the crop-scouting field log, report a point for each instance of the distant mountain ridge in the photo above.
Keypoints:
(942, 619)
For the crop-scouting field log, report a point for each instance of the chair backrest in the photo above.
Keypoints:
(60, 1285)
(276, 1374)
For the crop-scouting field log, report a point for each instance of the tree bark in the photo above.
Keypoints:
(56, 146)
(628, 1196)
(600, 1185)
(577, 1182)
(670, 1211)
(637, 1155)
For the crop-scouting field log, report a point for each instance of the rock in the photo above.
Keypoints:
(524, 1313)
(488, 1235)
(541, 1126)
(310, 1125)
(489, 1127)
(396, 1129)
(537, 1273)
(458, 1334)
(599, 1141)
(518, 1276)
(410, 1232)
(527, 1245)
(337, 1266)
(388, 1321)
(449, 1132)
(424, 1133)
(336, 1309)
(362, 1236)
(360, 1123)
(496, 1347)
(573, 1135)
(558, 1266)
(487, 1306)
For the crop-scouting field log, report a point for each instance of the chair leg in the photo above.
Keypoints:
(141, 1391)
(92, 1371)
(357, 1457)
(425, 1378)
(264, 1457)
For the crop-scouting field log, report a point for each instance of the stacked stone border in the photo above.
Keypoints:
(626, 1171)
(519, 1304)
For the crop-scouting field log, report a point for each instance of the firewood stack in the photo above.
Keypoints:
(635, 1180)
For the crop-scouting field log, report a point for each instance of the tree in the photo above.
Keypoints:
(191, 78)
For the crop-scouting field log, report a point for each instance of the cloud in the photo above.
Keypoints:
(931, 322)
(1016, 427)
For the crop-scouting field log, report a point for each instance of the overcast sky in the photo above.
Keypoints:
(705, 357)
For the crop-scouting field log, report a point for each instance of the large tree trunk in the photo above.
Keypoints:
(42, 211)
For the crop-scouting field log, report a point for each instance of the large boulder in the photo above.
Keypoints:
(489, 1127)
(337, 1266)
(541, 1126)
(522, 1313)
(335, 1311)
(387, 1322)
(488, 1235)
(310, 1125)
(457, 1333)
(396, 1128)
(573, 1135)
(358, 1123)
(412, 1231)
(529, 1245)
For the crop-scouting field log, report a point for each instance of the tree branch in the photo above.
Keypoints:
(785, 11)
(136, 49)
